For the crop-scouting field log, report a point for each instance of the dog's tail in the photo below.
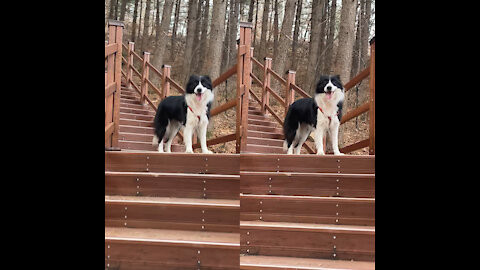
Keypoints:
(155, 140)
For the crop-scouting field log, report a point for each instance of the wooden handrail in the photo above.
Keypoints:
(113, 75)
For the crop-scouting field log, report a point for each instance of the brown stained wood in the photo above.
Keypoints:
(172, 163)
(308, 209)
(224, 107)
(308, 184)
(355, 112)
(172, 247)
(308, 163)
(275, 262)
(308, 240)
(357, 79)
(172, 213)
(227, 74)
(111, 49)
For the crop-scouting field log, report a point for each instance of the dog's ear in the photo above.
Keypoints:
(207, 78)
(207, 82)
(337, 77)
(191, 84)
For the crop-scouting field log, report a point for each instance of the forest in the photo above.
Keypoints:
(311, 37)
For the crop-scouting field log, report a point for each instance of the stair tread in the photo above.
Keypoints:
(186, 175)
(291, 226)
(272, 262)
(310, 198)
(359, 175)
(218, 203)
(177, 237)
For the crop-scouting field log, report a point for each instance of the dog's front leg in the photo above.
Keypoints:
(202, 136)
(187, 138)
(334, 126)
(318, 137)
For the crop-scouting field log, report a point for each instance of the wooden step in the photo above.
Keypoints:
(277, 130)
(137, 106)
(138, 137)
(129, 248)
(138, 123)
(211, 186)
(341, 164)
(259, 117)
(264, 149)
(263, 123)
(172, 162)
(308, 184)
(308, 209)
(262, 134)
(274, 262)
(147, 146)
(322, 241)
(265, 141)
(147, 130)
(133, 116)
(129, 101)
(215, 215)
(137, 111)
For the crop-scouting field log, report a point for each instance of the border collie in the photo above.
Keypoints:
(319, 114)
(190, 112)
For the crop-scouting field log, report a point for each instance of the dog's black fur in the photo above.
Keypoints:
(305, 110)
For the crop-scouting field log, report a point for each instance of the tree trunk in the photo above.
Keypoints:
(343, 59)
(310, 81)
(275, 29)
(204, 38)
(174, 30)
(161, 38)
(146, 26)
(134, 24)
(191, 29)
(217, 35)
(284, 41)
(296, 31)
(330, 38)
(262, 52)
(123, 9)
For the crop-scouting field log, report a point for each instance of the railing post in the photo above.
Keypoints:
(145, 73)
(115, 29)
(165, 83)
(244, 83)
(266, 82)
(289, 93)
(131, 48)
(372, 98)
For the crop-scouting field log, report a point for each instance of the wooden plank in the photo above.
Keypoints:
(287, 263)
(211, 186)
(110, 89)
(355, 146)
(215, 141)
(355, 112)
(340, 242)
(171, 248)
(227, 74)
(224, 107)
(172, 162)
(308, 209)
(357, 79)
(308, 184)
(212, 215)
(278, 77)
(111, 49)
(308, 163)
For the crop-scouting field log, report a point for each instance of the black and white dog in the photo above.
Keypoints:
(319, 114)
(190, 112)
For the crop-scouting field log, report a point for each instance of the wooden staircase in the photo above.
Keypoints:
(264, 134)
(136, 124)
(307, 212)
(171, 211)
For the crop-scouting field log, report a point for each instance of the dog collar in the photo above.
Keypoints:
(198, 116)
(329, 117)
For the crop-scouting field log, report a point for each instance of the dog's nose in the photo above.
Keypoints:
(329, 88)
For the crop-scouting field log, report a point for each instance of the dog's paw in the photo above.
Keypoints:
(189, 151)
(207, 152)
(320, 153)
(339, 154)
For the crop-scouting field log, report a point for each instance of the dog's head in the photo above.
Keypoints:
(329, 85)
(198, 86)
